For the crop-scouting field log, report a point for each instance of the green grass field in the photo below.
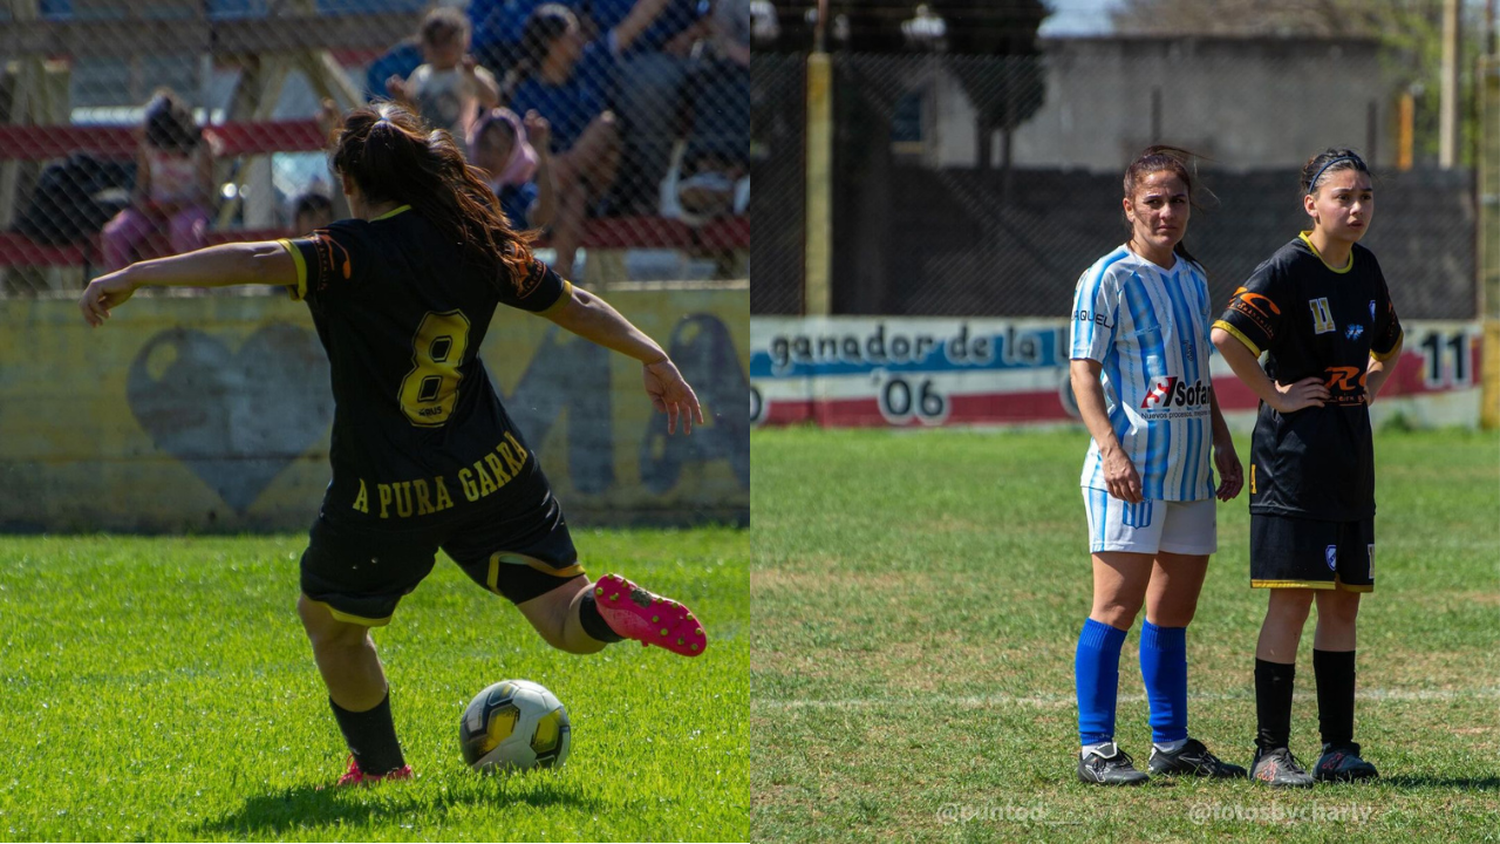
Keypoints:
(162, 689)
(917, 604)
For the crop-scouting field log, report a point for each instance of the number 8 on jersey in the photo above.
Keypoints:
(430, 390)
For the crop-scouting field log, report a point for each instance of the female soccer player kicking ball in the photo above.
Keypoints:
(1320, 311)
(424, 455)
(1139, 370)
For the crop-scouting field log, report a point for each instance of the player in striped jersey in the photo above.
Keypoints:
(1139, 370)
(1320, 310)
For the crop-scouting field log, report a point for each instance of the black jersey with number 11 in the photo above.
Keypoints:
(419, 435)
(1314, 320)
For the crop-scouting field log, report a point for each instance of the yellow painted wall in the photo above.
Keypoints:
(214, 413)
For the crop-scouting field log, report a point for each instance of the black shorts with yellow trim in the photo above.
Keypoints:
(519, 548)
(1287, 552)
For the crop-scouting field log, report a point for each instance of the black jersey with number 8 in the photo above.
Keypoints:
(419, 434)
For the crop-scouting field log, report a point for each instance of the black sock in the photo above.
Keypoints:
(1334, 672)
(594, 623)
(371, 736)
(1273, 703)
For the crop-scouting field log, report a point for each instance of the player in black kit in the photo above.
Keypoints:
(1320, 310)
(424, 455)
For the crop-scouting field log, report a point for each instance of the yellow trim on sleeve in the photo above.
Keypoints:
(299, 292)
(354, 619)
(1346, 268)
(1238, 334)
(1394, 349)
(1291, 584)
(562, 300)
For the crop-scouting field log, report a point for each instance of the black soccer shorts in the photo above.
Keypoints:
(517, 546)
(1293, 553)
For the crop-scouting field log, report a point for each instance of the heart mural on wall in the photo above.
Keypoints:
(235, 419)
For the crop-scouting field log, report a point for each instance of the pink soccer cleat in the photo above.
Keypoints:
(354, 776)
(647, 618)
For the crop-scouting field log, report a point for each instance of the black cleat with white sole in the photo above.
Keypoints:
(1114, 769)
(1192, 759)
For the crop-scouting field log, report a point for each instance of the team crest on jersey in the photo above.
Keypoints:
(1353, 331)
(1331, 553)
(1322, 315)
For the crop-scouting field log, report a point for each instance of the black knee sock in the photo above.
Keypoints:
(594, 623)
(1273, 703)
(1334, 671)
(371, 736)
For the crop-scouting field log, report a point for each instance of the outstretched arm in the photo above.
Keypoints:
(265, 262)
(592, 318)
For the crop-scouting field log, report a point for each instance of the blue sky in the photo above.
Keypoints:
(1077, 17)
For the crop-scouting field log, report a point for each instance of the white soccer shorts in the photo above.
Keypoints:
(1174, 527)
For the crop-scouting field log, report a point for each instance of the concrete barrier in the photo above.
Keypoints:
(214, 413)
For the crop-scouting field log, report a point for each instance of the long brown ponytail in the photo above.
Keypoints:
(394, 157)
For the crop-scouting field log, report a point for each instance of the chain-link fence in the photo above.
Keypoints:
(967, 185)
(625, 137)
(777, 138)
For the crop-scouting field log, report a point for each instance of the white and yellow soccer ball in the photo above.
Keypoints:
(515, 725)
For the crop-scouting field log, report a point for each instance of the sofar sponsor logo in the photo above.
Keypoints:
(1175, 392)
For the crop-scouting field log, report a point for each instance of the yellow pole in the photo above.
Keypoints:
(1406, 112)
(817, 298)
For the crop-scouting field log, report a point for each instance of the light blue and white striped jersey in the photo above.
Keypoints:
(1149, 328)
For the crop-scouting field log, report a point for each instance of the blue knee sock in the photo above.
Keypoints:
(1164, 668)
(1097, 670)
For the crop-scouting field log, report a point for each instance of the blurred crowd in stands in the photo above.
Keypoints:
(577, 109)
(586, 108)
